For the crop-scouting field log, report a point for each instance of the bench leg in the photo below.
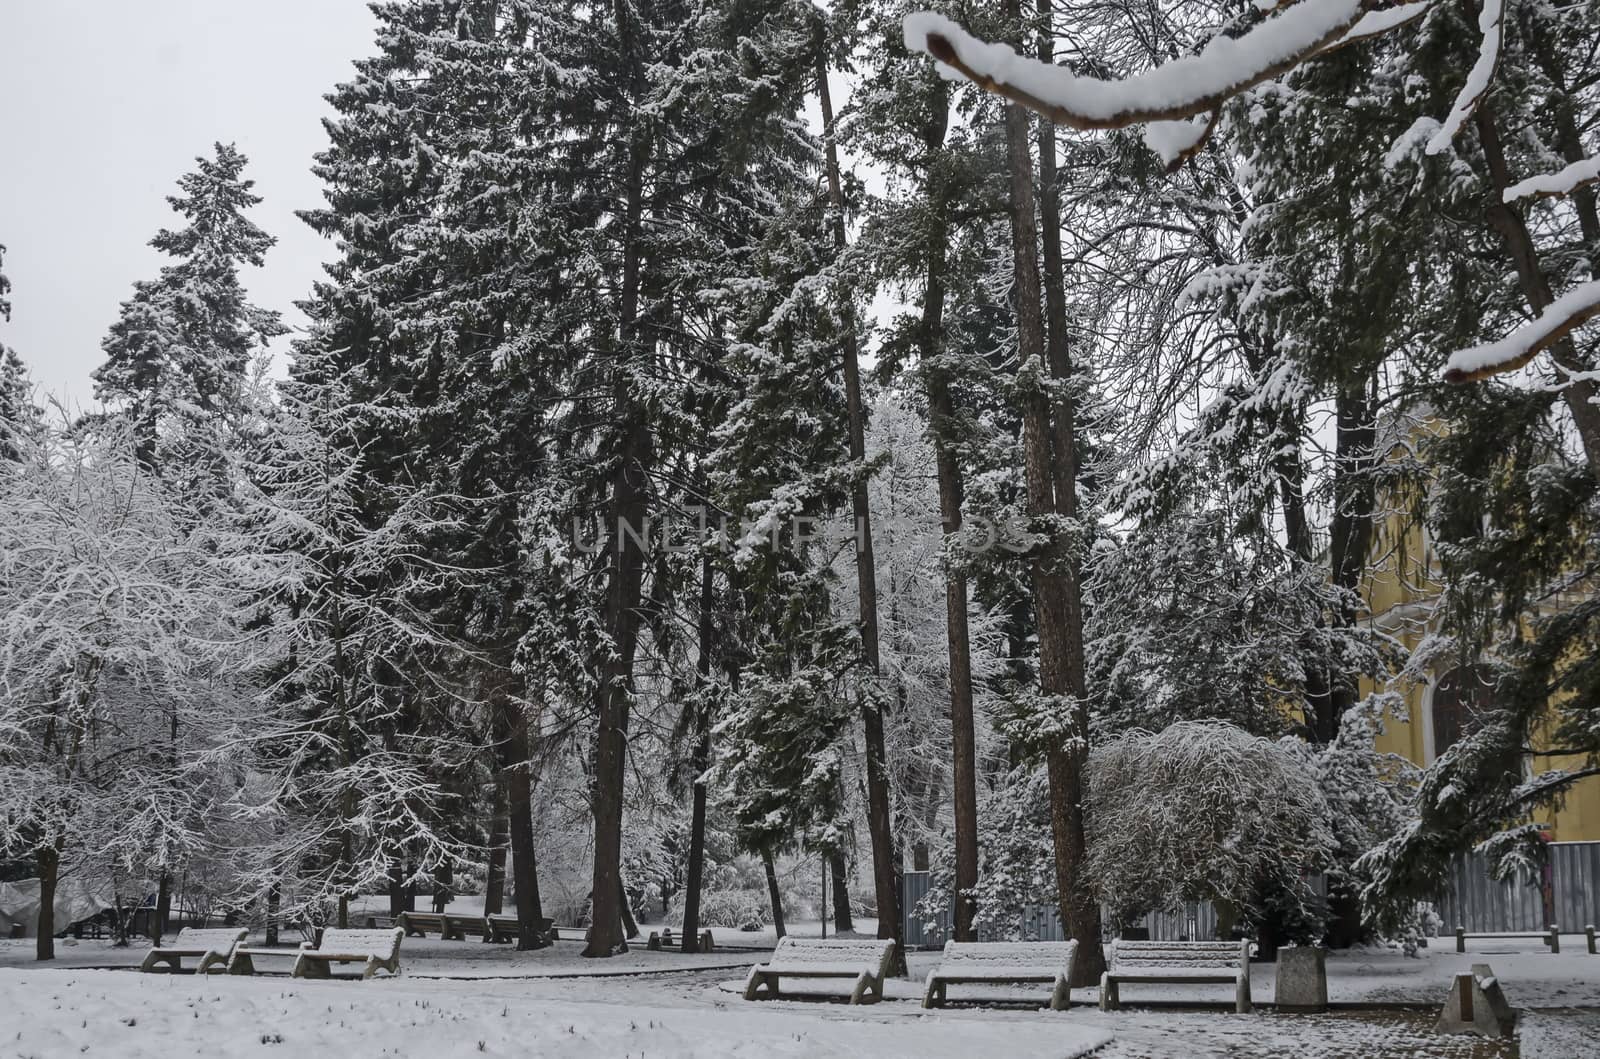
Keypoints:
(1555, 940)
(1242, 998)
(1061, 995)
(1589, 933)
(1461, 939)
(862, 988)
(1109, 1000)
(206, 963)
(152, 959)
(752, 985)
(304, 968)
(241, 964)
(933, 995)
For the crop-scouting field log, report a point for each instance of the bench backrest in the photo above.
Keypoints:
(431, 919)
(1198, 955)
(213, 940)
(383, 944)
(1043, 954)
(872, 954)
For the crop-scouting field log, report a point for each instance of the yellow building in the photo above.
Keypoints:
(1400, 597)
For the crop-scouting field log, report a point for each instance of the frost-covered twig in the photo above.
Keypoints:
(1557, 184)
(1559, 319)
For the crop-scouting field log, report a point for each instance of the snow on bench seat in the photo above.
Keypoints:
(375, 949)
(865, 961)
(1007, 962)
(1187, 962)
(1551, 937)
(213, 947)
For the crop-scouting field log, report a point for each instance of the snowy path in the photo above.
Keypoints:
(555, 1002)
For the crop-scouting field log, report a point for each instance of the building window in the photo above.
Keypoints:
(1459, 697)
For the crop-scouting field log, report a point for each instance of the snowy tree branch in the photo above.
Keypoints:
(1559, 319)
(1557, 184)
(1184, 88)
(1491, 23)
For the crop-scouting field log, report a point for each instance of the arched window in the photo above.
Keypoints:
(1459, 697)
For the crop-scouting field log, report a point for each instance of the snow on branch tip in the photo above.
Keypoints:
(1559, 319)
(1190, 87)
(1183, 88)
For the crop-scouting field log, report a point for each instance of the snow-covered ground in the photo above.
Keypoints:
(454, 995)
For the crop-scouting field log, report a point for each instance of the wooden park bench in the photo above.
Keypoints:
(865, 961)
(213, 947)
(449, 926)
(1551, 937)
(1005, 962)
(504, 928)
(665, 941)
(1187, 962)
(374, 949)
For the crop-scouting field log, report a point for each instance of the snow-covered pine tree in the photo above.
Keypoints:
(18, 413)
(359, 725)
(182, 345)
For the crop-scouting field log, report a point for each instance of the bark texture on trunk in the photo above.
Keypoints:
(626, 511)
(702, 761)
(48, 858)
(841, 894)
(942, 429)
(774, 895)
(516, 776)
(885, 868)
(494, 883)
(1050, 462)
(158, 922)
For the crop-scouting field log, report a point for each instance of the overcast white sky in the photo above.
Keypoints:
(106, 103)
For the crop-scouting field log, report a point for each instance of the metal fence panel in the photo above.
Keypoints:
(1575, 875)
(1470, 899)
(1473, 900)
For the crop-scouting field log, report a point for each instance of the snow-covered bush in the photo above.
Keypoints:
(735, 909)
(1205, 810)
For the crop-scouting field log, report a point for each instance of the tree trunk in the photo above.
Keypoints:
(494, 882)
(626, 512)
(273, 900)
(49, 861)
(1057, 602)
(1350, 527)
(1505, 218)
(942, 428)
(885, 871)
(841, 894)
(702, 761)
(397, 889)
(630, 929)
(773, 893)
(158, 922)
(515, 776)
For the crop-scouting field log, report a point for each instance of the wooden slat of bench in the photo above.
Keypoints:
(995, 974)
(1198, 977)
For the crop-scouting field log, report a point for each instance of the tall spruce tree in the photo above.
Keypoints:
(182, 344)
